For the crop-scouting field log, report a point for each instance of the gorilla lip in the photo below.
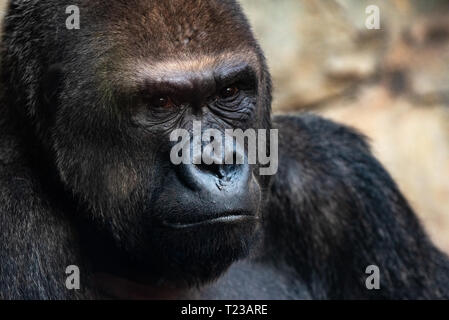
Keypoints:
(232, 218)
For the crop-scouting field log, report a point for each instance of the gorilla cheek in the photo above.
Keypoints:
(121, 181)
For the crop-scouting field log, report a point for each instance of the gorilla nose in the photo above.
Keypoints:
(215, 191)
(216, 177)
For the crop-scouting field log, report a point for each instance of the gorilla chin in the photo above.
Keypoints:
(215, 244)
(183, 255)
(217, 224)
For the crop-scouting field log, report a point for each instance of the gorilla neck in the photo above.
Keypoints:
(120, 288)
(245, 279)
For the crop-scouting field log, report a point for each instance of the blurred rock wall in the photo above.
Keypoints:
(392, 84)
(318, 49)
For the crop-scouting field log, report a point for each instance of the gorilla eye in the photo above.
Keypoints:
(164, 102)
(229, 92)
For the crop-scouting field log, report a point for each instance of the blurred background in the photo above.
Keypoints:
(392, 84)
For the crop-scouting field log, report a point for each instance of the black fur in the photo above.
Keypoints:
(345, 213)
(81, 183)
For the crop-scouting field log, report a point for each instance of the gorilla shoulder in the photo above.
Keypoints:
(346, 213)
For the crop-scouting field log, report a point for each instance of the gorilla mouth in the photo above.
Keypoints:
(228, 218)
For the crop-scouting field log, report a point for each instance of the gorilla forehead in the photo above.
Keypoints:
(164, 29)
(137, 38)
(202, 66)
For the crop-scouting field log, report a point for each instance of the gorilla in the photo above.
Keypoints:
(86, 178)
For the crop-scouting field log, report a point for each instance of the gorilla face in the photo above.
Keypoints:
(133, 73)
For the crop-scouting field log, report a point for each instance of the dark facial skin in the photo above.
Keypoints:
(152, 67)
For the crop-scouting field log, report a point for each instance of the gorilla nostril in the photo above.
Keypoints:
(215, 165)
(215, 169)
(209, 172)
